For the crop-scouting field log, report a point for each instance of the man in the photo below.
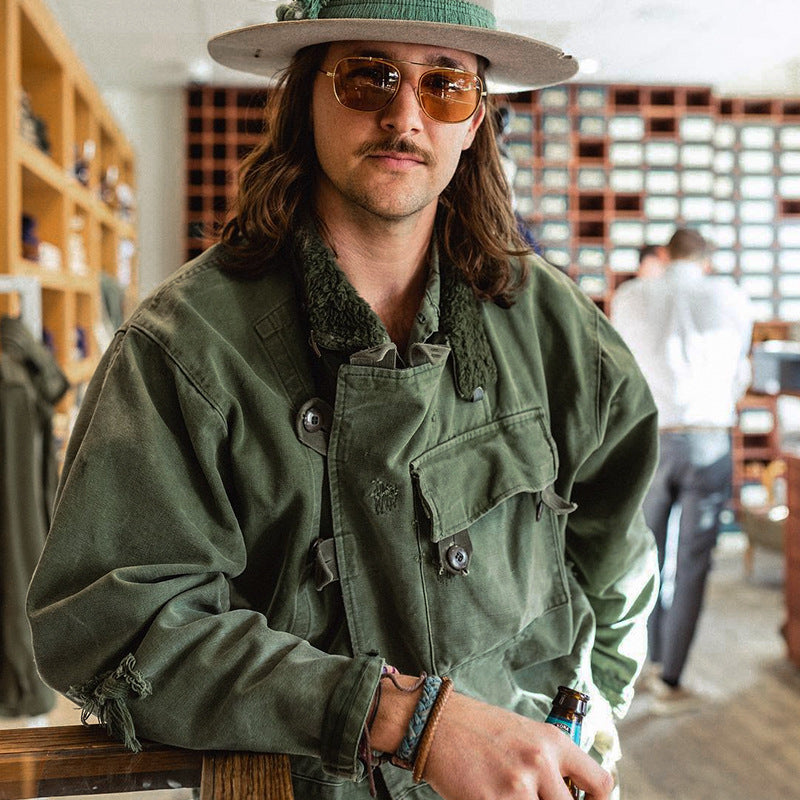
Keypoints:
(690, 333)
(652, 261)
(343, 448)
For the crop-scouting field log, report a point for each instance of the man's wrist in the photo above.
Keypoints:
(394, 712)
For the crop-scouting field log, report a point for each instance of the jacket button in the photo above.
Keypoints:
(312, 420)
(457, 558)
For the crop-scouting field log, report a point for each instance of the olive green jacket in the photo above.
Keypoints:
(183, 595)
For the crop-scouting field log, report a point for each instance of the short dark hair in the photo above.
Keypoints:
(688, 245)
(648, 250)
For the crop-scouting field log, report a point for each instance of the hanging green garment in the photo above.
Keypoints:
(30, 384)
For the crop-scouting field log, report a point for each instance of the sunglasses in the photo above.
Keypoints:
(445, 94)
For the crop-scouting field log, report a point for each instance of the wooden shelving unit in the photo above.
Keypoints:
(89, 223)
(792, 553)
(223, 125)
(605, 169)
(601, 171)
(755, 441)
(756, 436)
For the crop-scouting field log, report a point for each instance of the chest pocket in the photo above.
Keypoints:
(491, 483)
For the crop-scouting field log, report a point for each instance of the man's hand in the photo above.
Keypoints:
(481, 751)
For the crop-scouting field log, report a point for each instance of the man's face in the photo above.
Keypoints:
(392, 163)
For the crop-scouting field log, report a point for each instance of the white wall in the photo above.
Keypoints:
(153, 120)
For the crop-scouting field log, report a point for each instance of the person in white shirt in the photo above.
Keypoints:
(652, 261)
(690, 333)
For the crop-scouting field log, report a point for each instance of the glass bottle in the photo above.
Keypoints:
(567, 713)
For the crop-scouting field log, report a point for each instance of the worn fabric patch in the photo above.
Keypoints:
(383, 496)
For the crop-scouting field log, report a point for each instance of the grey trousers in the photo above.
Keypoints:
(694, 473)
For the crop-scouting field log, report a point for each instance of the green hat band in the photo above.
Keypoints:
(450, 12)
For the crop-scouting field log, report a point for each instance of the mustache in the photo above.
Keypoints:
(397, 145)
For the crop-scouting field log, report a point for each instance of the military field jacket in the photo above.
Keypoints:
(263, 503)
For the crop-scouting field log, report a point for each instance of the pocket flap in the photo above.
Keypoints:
(460, 480)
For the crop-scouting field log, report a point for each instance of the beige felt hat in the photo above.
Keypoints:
(516, 63)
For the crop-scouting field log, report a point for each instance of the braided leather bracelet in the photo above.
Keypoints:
(426, 740)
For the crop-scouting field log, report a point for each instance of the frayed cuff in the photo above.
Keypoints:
(106, 697)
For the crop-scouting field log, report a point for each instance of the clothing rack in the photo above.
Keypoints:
(29, 291)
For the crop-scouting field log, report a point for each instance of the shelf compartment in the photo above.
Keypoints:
(84, 147)
(662, 96)
(591, 150)
(626, 154)
(590, 98)
(627, 233)
(696, 128)
(591, 202)
(109, 241)
(54, 316)
(661, 207)
(555, 151)
(662, 126)
(591, 178)
(626, 128)
(593, 284)
(628, 204)
(555, 125)
(86, 310)
(591, 126)
(81, 250)
(553, 205)
(591, 230)
(699, 97)
(626, 97)
(591, 258)
(40, 164)
(790, 208)
(45, 205)
(759, 107)
(42, 78)
(626, 180)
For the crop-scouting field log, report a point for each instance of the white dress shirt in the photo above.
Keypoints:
(690, 333)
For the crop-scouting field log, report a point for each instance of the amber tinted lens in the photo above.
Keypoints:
(365, 84)
(448, 95)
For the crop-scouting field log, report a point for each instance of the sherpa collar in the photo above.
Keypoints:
(340, 319)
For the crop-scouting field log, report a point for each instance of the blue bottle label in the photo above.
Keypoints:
(571, 727)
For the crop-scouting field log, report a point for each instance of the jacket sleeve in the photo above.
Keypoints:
(130, 605)
(608, 541)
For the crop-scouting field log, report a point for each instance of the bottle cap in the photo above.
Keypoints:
(572, 699)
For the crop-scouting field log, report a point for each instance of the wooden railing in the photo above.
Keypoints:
(79, 760)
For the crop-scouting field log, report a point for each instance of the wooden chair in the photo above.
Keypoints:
(81, 760)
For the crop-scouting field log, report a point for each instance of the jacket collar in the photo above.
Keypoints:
(340, 319)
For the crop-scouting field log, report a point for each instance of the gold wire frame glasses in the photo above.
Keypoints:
(367, 83)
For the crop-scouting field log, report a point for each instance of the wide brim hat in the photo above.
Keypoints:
(516, 63)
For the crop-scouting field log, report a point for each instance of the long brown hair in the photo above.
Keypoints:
(477, 228)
